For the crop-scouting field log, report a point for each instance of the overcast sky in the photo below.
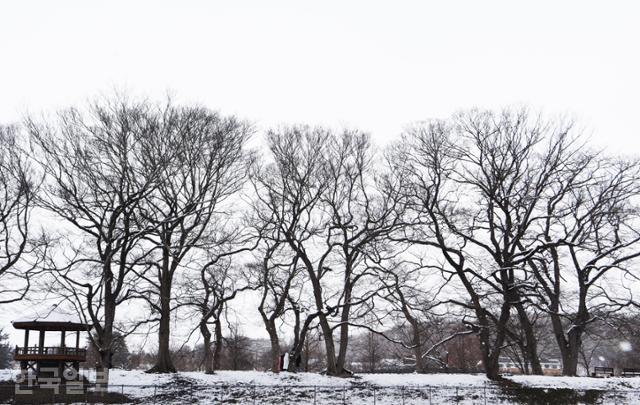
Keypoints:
(373, 65)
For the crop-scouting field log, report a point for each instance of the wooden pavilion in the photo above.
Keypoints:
(54, 363)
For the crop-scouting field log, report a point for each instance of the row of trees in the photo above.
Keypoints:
(611, 343)
(502, 221)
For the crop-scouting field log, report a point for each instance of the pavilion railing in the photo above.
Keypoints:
(51, 351)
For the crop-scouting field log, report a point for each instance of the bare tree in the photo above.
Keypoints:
(320, 194)
(219, 281)
(213, 279)
(288, 193)
(95, 179)
(413, 293)
(478, 181)
(19, 256)
(283, 301)
(363, 210)
(281, 276)
(591, 209)
(208, 165)
(277, 275)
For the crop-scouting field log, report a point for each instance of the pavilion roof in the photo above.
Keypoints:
(52, 318)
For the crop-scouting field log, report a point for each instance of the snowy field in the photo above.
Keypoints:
(250, 387)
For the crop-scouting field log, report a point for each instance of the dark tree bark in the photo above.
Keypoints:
(164, 364)
(211, 358)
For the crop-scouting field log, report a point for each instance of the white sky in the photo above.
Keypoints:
(374, 65)
(367, 64)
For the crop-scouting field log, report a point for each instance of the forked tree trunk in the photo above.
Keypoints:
(531, 346)
(301, 344)
(573, 344)
(327, 332)
(492, 348)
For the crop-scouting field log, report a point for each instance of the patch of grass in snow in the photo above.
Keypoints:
(290, 378)
(180, 388)
(548, 396)
(624, 384)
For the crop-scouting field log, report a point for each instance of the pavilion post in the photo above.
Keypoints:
(26, 339)
(41, 342)
(63, 338)
(77, 339)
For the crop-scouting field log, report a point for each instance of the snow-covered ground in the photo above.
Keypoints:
(252, 387)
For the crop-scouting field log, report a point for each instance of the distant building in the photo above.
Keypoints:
(549, 367)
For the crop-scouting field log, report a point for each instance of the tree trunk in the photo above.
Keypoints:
(416, 339)
(420, 363)
(571, 354)
(570, 361)
(344, 336)
(571, 343)
(275, 345)
(217, 351)
(531, 346)
(301, 344)
(105, 336)
(164, 364)
(569, 351)
(373, 352)
(307, 354)
(102, 371)
(329, 345)
(208, 353)
(327, 332)
(491, 351)
(492, 367)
